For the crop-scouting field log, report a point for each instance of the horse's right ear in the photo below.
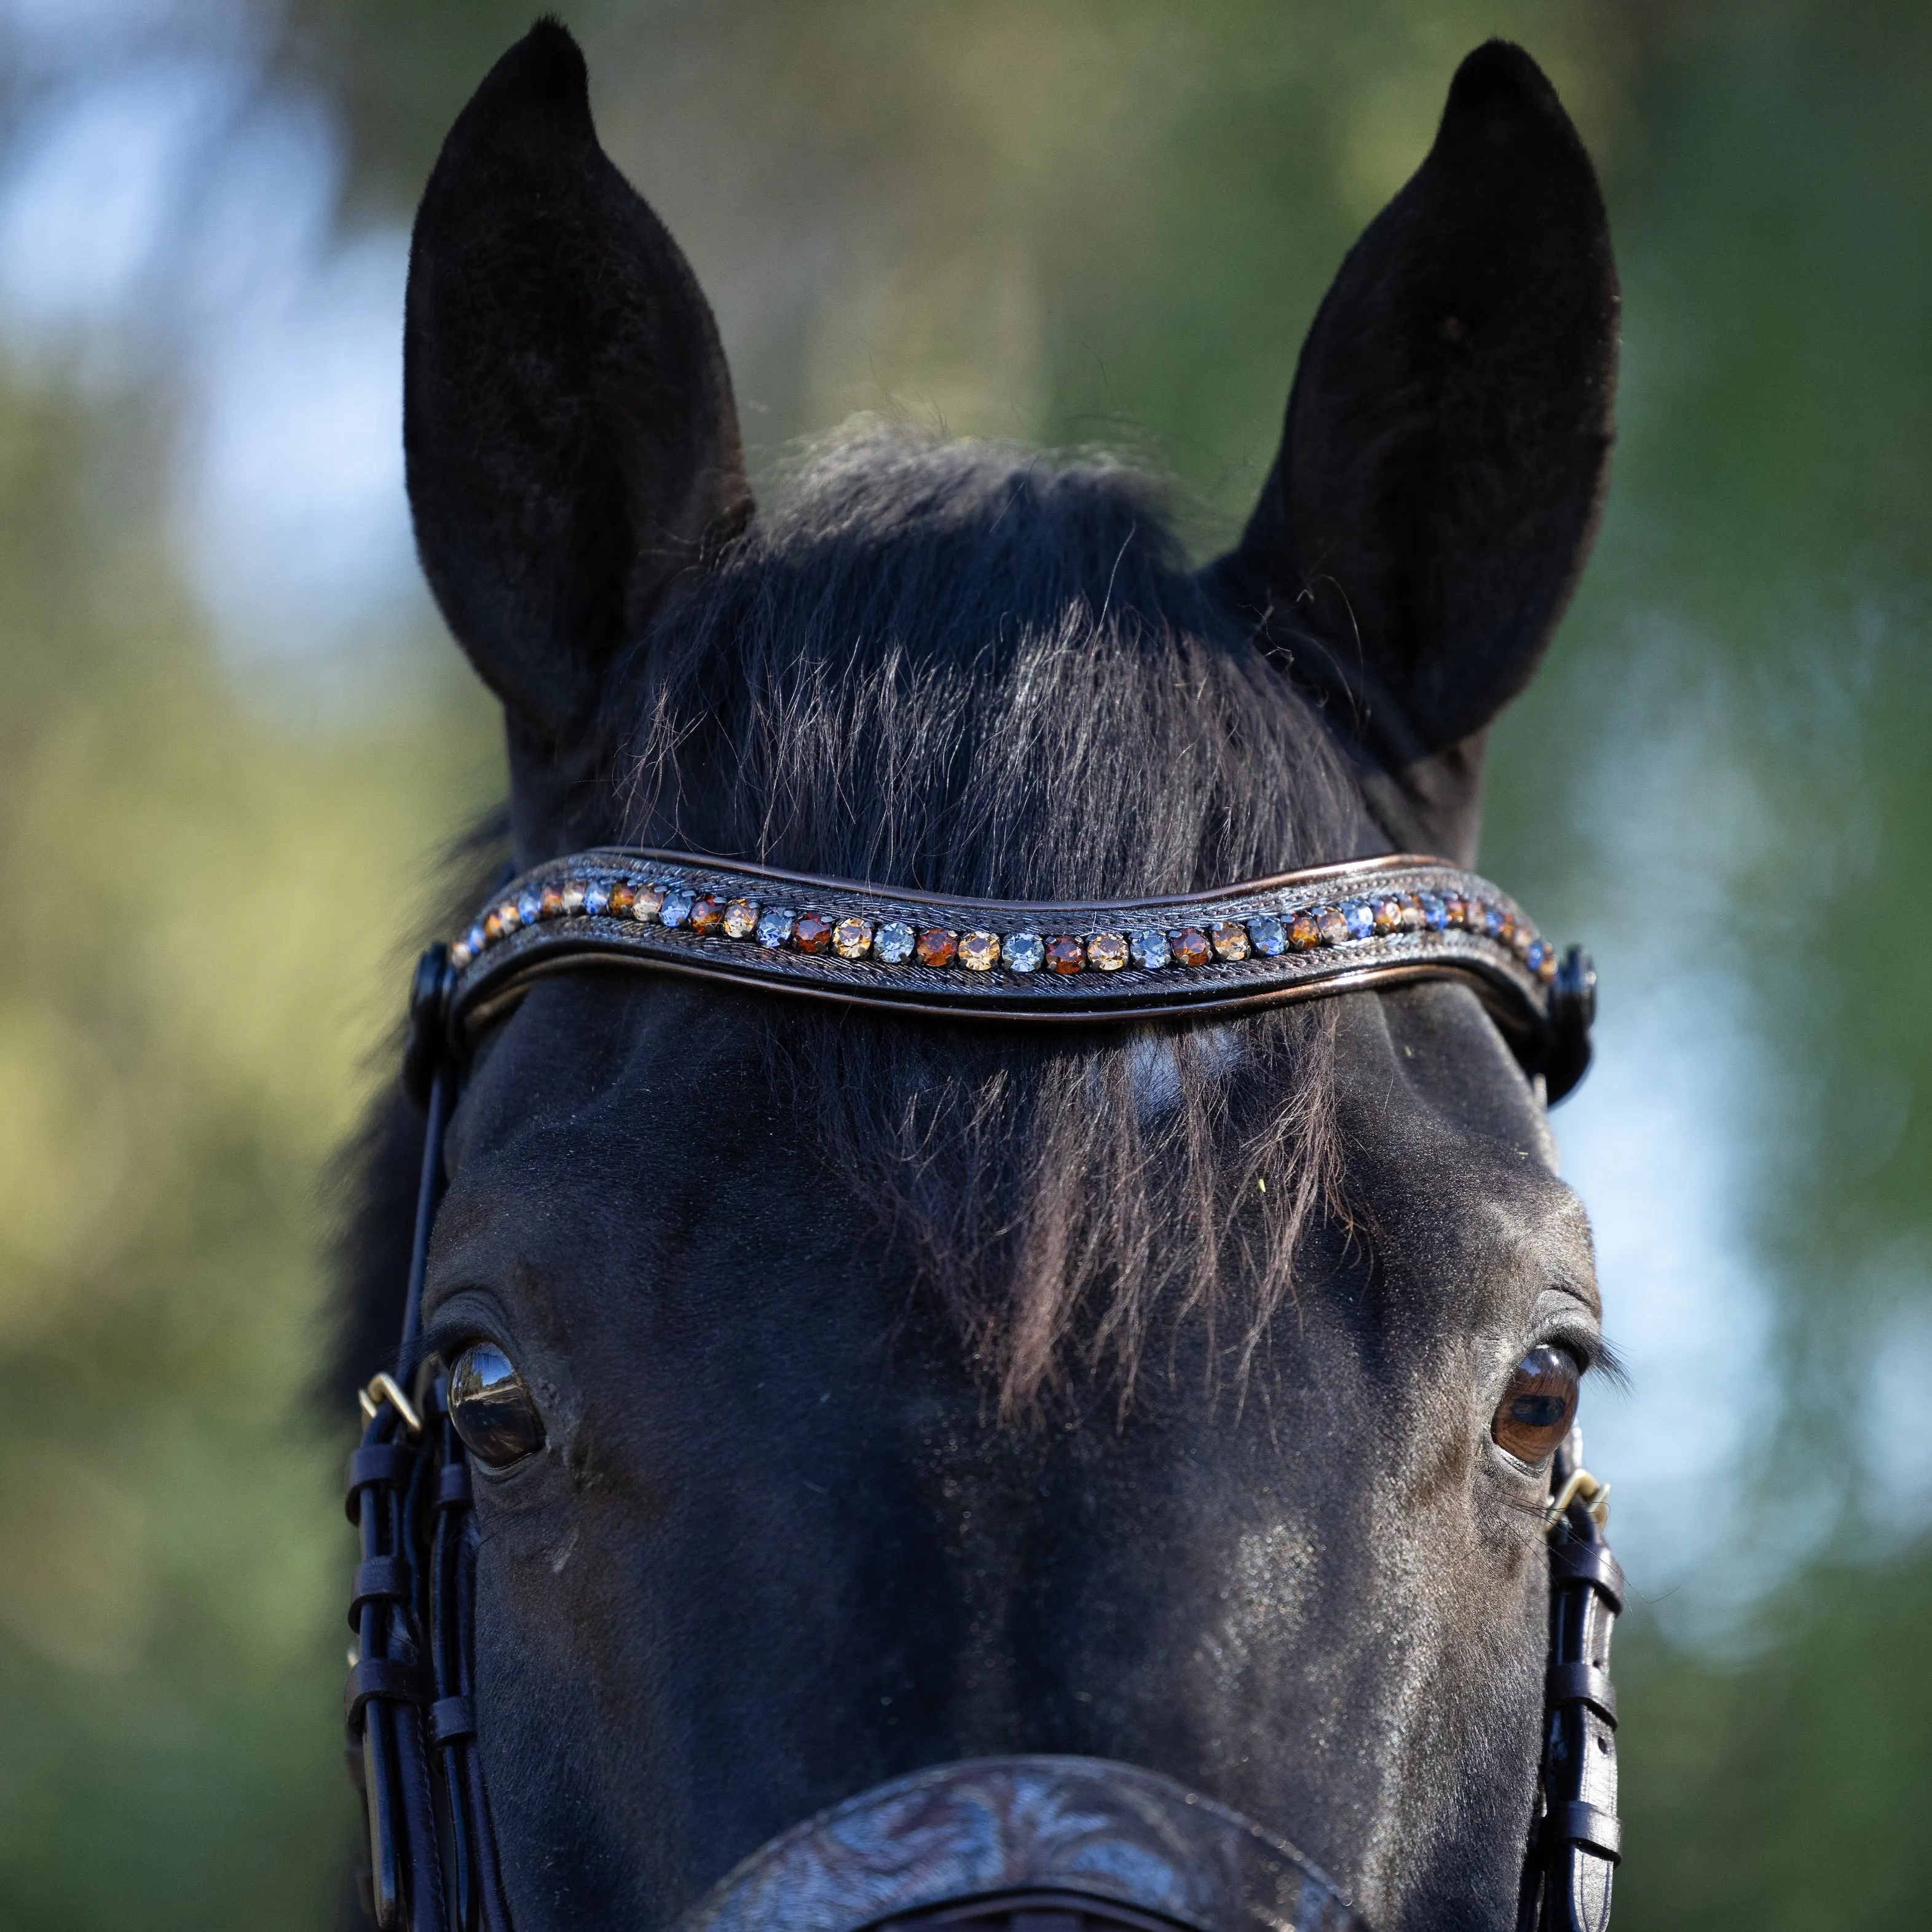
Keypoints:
(1445, 451)
(570, 433)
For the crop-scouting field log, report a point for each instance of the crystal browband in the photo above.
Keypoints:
(1332, 929)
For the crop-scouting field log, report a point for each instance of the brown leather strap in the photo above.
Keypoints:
(1299, 935)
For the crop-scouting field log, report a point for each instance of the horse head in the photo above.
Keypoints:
(850, 1394)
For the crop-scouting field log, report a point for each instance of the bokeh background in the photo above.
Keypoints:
(234, 741)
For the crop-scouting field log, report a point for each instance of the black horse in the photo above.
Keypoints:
(909, 1392)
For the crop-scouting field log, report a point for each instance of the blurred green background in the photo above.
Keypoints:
(233, 742)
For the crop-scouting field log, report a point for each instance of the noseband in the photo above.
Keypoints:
(1041, 1844)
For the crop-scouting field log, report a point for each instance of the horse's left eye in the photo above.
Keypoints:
(491, 1408)
(1540, 1404)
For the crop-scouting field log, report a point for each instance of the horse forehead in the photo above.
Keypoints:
(605, 1089)
(617, 1090)
(1447, 1142)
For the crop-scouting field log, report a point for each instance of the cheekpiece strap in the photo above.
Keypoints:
(1300, 935)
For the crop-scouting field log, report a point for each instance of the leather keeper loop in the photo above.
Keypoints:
(452, 1487)
(1585, 1827)
(383, 1677)
(386, 1463)
(451, 1721)
(1582, 1684)
(378, 1579)
(1589, 1563)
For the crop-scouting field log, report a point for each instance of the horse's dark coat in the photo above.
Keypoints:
(834, 1322)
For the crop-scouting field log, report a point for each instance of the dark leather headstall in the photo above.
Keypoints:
(409, 1702)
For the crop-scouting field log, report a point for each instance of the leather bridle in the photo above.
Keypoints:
(410, 1700)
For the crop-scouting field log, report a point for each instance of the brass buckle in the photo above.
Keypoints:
(383, 1388)
(1596, 1497)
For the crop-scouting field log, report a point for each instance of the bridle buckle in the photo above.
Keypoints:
(1580, 1485)
(384, 1388)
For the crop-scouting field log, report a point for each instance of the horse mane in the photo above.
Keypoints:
(965, 668)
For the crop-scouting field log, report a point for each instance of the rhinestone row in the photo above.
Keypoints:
(895, 942)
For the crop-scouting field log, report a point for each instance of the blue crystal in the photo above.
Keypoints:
(1360, 917)
(1493, 921)
(1537, 953)
(774, 925)
(893, 942)
(474, 941)
(677, 909)
(1267, 935)
(1435, 914)
(1151, 951)
(1023, 952)
(529, 907)
(596, 898)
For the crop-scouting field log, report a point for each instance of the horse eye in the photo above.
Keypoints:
(1539, 1405)
(491, 1408)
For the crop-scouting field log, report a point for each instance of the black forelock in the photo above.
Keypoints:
(968, 669)
(965, 668)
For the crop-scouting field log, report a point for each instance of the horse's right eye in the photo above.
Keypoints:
(1539, 1405)
(491, 1408)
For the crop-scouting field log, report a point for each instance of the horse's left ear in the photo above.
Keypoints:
(1447, 446)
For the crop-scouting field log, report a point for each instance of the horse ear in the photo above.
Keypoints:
(1447, 446)
(571, 437)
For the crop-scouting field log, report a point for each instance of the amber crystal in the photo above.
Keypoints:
(492, 927)
(1304, 934)
(549, 904)
(1388, 916)
(1454, 907)
(979, 952)
(741, 919)
(1107, 951)
(850, 937)
(707, 914)
(508, 916)
(936, 947)
(647, 902)
(1230, 938)
(1191, 947)
(812, 933)
(623, 900)
(1065, 956)
(1332, 927)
